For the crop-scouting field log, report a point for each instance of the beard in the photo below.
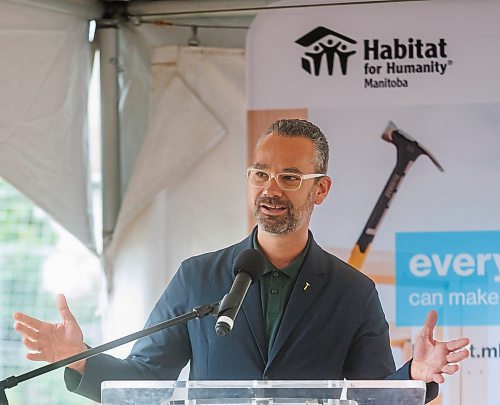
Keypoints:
(284, 224)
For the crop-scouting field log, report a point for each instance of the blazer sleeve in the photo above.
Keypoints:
(369, 355)
(403, 373)
(371, 346)
(160, 356)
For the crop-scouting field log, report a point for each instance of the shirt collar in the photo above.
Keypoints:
(292, 270)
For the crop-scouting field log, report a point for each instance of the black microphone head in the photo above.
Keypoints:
(252, 262)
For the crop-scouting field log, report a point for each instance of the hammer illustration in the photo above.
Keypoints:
(408, 150)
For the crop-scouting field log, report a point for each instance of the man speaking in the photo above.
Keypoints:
(311, 316)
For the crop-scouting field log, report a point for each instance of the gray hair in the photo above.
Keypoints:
(302, 128)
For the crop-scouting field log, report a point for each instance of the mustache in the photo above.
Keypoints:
(273, 201)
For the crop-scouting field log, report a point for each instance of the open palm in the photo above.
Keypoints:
(432, 359)
(51, 341)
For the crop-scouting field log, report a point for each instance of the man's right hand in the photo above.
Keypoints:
(52, 341)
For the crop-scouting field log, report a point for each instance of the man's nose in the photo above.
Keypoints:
(272, 188)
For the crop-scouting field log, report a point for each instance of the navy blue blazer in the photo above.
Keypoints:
(332, 330)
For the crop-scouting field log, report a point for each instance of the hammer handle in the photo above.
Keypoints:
(360, 250)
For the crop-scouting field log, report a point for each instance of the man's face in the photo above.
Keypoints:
(277, 211)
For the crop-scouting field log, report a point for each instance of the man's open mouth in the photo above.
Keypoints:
(272, 209)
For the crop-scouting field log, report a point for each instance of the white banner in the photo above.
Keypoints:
(425, 74)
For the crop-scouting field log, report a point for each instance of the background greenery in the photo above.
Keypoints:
(28, 238)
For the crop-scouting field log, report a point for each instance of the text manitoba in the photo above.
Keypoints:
(386, 83)
(431, 67)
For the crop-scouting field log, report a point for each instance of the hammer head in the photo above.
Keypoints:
(408, 148)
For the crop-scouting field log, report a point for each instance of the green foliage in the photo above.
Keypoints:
(27, 238)
(21, 221)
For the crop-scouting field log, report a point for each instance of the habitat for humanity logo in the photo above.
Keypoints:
(323, 47)
(383, 63)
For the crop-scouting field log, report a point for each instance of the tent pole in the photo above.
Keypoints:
(110, 153)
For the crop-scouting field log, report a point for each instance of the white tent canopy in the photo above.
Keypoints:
(173, 121)
(177, 131)
(45, 74)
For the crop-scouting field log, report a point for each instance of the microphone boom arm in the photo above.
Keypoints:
(197, 313)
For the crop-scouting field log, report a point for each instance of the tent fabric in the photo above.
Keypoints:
(134, 92)
(87, 9)
(182, 131)
(192, 89)
(205, 209)
(194, 202)
(44, 74)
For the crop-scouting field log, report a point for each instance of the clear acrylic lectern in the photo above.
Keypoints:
(263, 392)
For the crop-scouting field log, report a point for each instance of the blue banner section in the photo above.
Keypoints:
(456, 273)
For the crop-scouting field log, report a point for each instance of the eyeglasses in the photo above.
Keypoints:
(286, 181)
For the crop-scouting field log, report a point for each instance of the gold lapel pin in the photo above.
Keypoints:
(306, 286)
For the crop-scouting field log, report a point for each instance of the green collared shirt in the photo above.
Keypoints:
(276, 286)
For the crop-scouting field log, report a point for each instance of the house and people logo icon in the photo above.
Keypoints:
(325, 48)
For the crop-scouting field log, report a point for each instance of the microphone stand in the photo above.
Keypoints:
(196, 313)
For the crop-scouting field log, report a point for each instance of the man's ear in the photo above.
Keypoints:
(322, 189)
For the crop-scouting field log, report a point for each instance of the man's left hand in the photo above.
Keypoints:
(432, 359)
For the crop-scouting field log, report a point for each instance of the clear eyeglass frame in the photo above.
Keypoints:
(285, 181)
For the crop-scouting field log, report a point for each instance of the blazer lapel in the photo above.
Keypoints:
(308, 285)
(252, 308)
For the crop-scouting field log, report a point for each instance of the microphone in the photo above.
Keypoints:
(248, 268)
